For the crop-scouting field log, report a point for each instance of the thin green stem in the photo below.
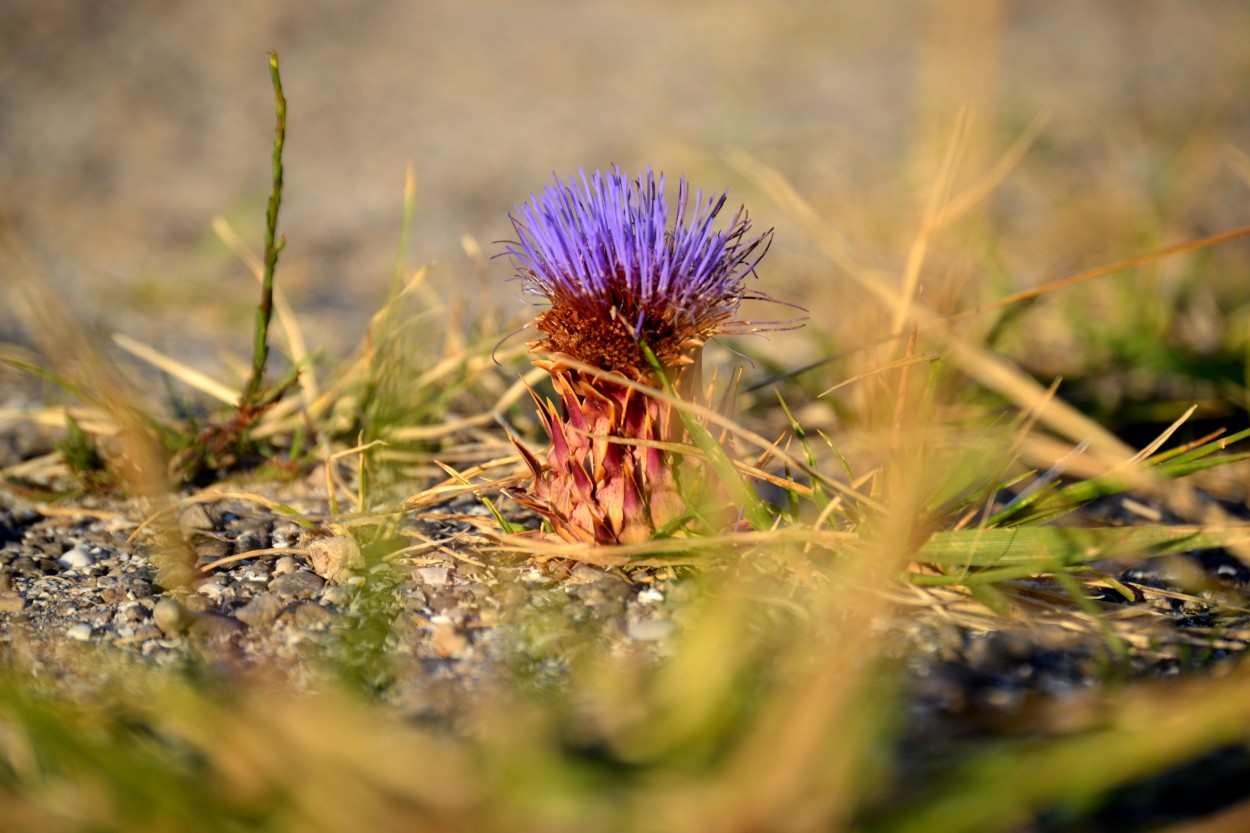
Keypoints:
(273, 246)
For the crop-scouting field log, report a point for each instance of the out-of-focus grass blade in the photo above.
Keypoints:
(1075, 495)
(508, 528)
(1203, 450)
(1181, 468)
(1056, 502)
(1055, 546)
(1149, 729)
(818, 494)
(753, 507)
(43, 373)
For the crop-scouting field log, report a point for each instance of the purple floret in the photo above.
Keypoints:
(603, 247)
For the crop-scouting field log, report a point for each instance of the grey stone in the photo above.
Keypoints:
(81, 632)
(285, 534)
(214, 628)
(195, 519)
(312, 616)
(146, 632)
(24, 565)
(433, 576)
(337, 594)
(298, 585)
(211, 590)
(250, 541)
(259, 611)
(171, 617)
(210, 551)
(112, 593)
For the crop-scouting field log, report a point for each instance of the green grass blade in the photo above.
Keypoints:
(740, 494)
(260, 345)
(1058, 546)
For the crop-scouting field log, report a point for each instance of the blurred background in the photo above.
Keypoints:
(1069, 136)
(127, 128)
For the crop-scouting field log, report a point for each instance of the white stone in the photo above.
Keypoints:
(285, 564)
(76, 558)
(651, 630)
(650, 596)
(211, 589)
(80, 632)
(433, 576)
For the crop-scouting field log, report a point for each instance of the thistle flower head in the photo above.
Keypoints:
(619, 271)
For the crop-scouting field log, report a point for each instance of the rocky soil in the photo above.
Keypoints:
(425, 617)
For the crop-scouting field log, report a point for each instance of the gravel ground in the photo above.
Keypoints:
(427, 627)
(431, 624)
(424, 629)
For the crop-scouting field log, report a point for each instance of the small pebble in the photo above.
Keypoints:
(80, 632)
(211, 589)
(336, 594)
(651, 630)
(447, 640)
(214, 628)
(312, 616)
(12, 602)
(433, 576)
(212, 550)
(147, 632)
(650, 596)
(285, 564)
(335, 558)
(250, 541)
(297, 585)
(193, 519)
(585, 574)
(76, 558)
(170, 617)
(261, 610)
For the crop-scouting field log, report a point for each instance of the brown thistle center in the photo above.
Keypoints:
(579, 327)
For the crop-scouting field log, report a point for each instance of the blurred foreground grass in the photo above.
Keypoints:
(776, 707)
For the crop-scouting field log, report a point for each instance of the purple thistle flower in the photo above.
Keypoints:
(618, 274)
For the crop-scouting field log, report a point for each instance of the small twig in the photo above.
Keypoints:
(246, 556)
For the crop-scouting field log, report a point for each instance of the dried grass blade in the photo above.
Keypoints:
(184, 373)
